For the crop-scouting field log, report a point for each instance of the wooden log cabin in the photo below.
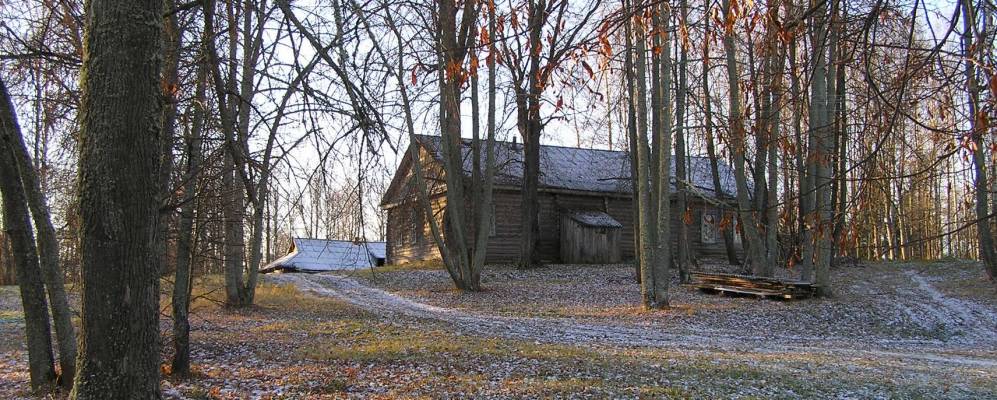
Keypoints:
(594, 184)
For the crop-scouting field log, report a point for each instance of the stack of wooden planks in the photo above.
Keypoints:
(751, 285)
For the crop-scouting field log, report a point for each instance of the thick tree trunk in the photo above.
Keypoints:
(8, 274)
(48, 249)
(121, 128)
(820, 129)
(661, 172)
(17, 226)
(235, 245)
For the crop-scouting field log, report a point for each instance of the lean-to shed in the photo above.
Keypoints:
(590, 237)
(318, 255)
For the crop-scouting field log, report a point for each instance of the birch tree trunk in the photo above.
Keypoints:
(121, 121)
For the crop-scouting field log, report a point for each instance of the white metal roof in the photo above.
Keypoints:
(315, 255)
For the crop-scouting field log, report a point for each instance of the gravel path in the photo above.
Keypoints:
(909, 353)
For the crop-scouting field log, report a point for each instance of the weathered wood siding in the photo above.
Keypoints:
(582, 244)
(410, 237)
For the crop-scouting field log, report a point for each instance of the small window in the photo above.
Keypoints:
(417, 226)
(737, 230)
(710, 229)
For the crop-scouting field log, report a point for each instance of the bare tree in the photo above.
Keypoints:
(17, 226)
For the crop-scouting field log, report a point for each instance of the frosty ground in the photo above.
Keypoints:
(915, 330)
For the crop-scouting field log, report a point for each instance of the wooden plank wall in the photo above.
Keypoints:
(503, 247)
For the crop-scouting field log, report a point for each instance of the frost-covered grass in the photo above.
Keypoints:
(327, 348)
(880, 301)
(327, 341)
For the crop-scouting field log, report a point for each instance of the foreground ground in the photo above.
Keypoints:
(892, 331)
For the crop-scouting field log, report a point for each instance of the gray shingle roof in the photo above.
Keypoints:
(597, 219)
(581, 169)
(315, 255)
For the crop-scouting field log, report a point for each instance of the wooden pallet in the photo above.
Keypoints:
(751, 285)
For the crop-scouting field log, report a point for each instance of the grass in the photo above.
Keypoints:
(317, 347)
(339, 334)
(428, 265)
(11, 316)
(364, 341)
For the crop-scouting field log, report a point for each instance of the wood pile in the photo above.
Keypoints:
(751, 285)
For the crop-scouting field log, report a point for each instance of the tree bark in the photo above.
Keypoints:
(185, 250)
(820, 128)
(48, 254)
(661, 172)
(683, 257)
(711, 153)
(636, 69)
(121, 128)
(737, 132)
(17, 226)
(983, 217)
(530, 234)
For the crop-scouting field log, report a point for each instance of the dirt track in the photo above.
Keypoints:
(905, 354)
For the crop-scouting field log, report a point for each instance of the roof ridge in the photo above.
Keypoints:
(463, 139)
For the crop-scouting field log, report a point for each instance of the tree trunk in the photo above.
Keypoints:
(121, 128)
(737, 132)
(530, 235)
(17, 226)
(48, 254)
(684, 255)
(641, 155)
(820, 129)
(185, 250)
(775, 65)
(711, 153)
(662, 175)
(986, 245)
